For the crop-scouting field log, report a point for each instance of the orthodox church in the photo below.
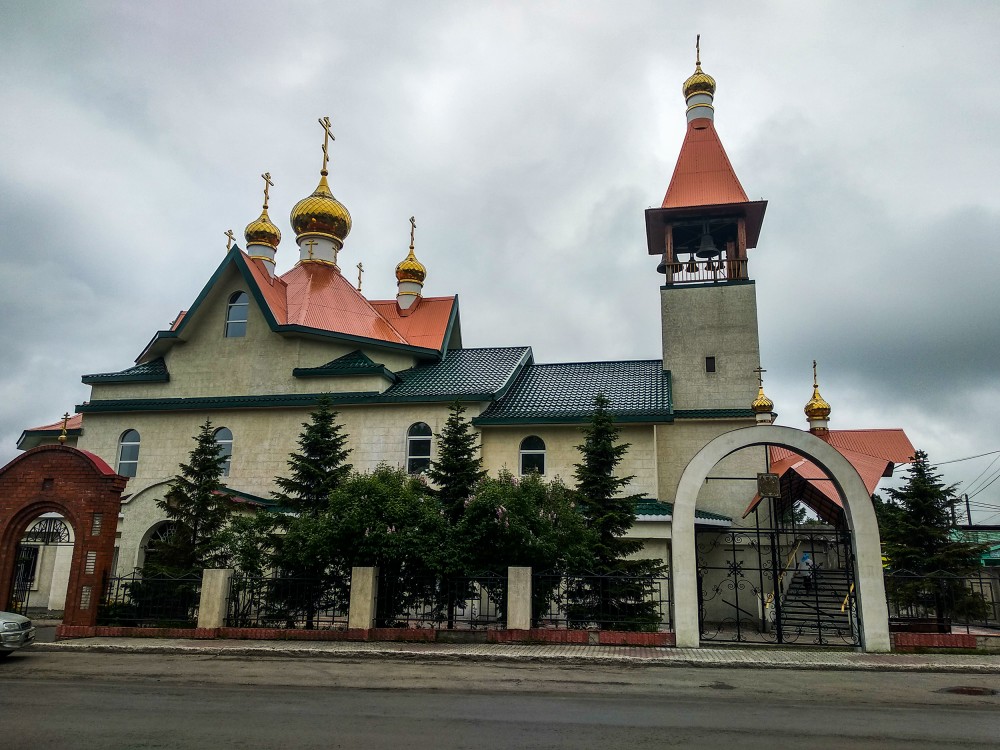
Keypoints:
(256, 350)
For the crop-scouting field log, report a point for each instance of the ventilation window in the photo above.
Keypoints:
(224, 439)
(709, 364)
(532, 455)
(418, 448)
(128, 453)
(236, 315)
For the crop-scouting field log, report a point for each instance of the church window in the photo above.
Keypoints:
(418, 448)
(532, 455)
(128, 453)
(236, 315)
(709, 364)
(224, 439)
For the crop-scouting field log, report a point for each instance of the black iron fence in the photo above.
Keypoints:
(636, 603)
(942, 602)
(293, 603)
(150, 602)
(443, 603)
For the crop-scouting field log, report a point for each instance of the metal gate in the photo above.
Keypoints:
(24, 578)
(785, 585)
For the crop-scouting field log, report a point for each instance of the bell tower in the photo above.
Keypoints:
(702, 233)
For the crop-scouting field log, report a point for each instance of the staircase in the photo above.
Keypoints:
(815, 616)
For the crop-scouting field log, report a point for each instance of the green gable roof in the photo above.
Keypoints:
(355, 363)
(154, 371)
(648, 506)
(639, 391)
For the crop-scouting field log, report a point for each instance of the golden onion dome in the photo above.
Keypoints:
(762, 404)
(817, 408)
(262, 231)
(321, 213)
(699, 83)
(411, 269)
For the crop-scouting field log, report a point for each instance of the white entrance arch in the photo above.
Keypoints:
(873, 614)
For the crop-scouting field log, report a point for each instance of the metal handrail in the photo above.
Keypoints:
(781, 576)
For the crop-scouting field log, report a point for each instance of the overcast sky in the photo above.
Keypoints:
(528, 139)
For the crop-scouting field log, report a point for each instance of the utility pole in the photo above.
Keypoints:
(968, 509)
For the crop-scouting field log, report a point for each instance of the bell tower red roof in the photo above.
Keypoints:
(703, 175)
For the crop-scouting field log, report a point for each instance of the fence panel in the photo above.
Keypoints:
(150, 602)
(292, 603)
(943, 602)
(636, 603)
(451, 603)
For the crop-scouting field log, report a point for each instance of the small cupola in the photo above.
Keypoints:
(763, 407)
(817, 410)
(261, 234)
(410, 275)
(321, 222)
(699, 89)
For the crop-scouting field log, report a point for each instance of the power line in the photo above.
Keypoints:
(967, 458)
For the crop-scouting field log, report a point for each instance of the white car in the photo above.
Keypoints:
(15, 631)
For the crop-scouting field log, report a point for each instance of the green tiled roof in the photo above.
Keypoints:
(639, 391)
(355, 363)
(154, 371)
(651, 507)
(463, 373)
(714, 414)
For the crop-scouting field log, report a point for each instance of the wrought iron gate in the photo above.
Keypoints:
(792, 585)
(24, 578)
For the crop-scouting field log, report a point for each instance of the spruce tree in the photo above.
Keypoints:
(458, 467)
(618, 600)
(199, 509)
(926, 562)
(315, 472)
(319, 466)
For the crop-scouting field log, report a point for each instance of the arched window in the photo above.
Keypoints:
(128, 453)
(418, 448)
(236, 315)
(532, 455)
(156, 538)
(224, 439)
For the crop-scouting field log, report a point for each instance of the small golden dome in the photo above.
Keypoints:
(699, 83)
(817, 408)
(321, 213)
(262, 231)
(411, 269)
(762, 404)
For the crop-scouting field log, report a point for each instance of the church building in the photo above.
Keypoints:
(255, 351)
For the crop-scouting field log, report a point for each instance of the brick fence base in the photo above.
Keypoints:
(913, 641)
(424, 635)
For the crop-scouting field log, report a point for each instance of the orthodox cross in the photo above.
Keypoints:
(815, 381)
(697, 51)
(361, 270)
(413, 229)
(327, 137)
(62, 435)
(267, 184)
(760, 375)
(311, 244)
(232, 238)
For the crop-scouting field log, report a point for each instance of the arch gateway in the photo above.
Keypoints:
(872, 612)
(86, 492)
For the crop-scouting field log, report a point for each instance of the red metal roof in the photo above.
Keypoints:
(425, 325)
(871, 452)
(703, 175)
(73, 423)
(316, 295)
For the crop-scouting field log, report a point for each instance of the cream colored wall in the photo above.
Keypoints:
(677, 444)
(717, 321)
(501, 448)
(261, 362)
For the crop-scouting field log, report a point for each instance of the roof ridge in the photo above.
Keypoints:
(594, 362)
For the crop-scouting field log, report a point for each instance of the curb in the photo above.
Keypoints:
(709, 661)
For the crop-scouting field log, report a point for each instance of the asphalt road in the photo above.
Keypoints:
(84, 700)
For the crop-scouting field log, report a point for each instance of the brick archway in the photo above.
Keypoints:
(87, 493)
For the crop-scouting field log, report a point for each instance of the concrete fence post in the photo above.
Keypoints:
(212, 608)
(364, 594)
(518, 598)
